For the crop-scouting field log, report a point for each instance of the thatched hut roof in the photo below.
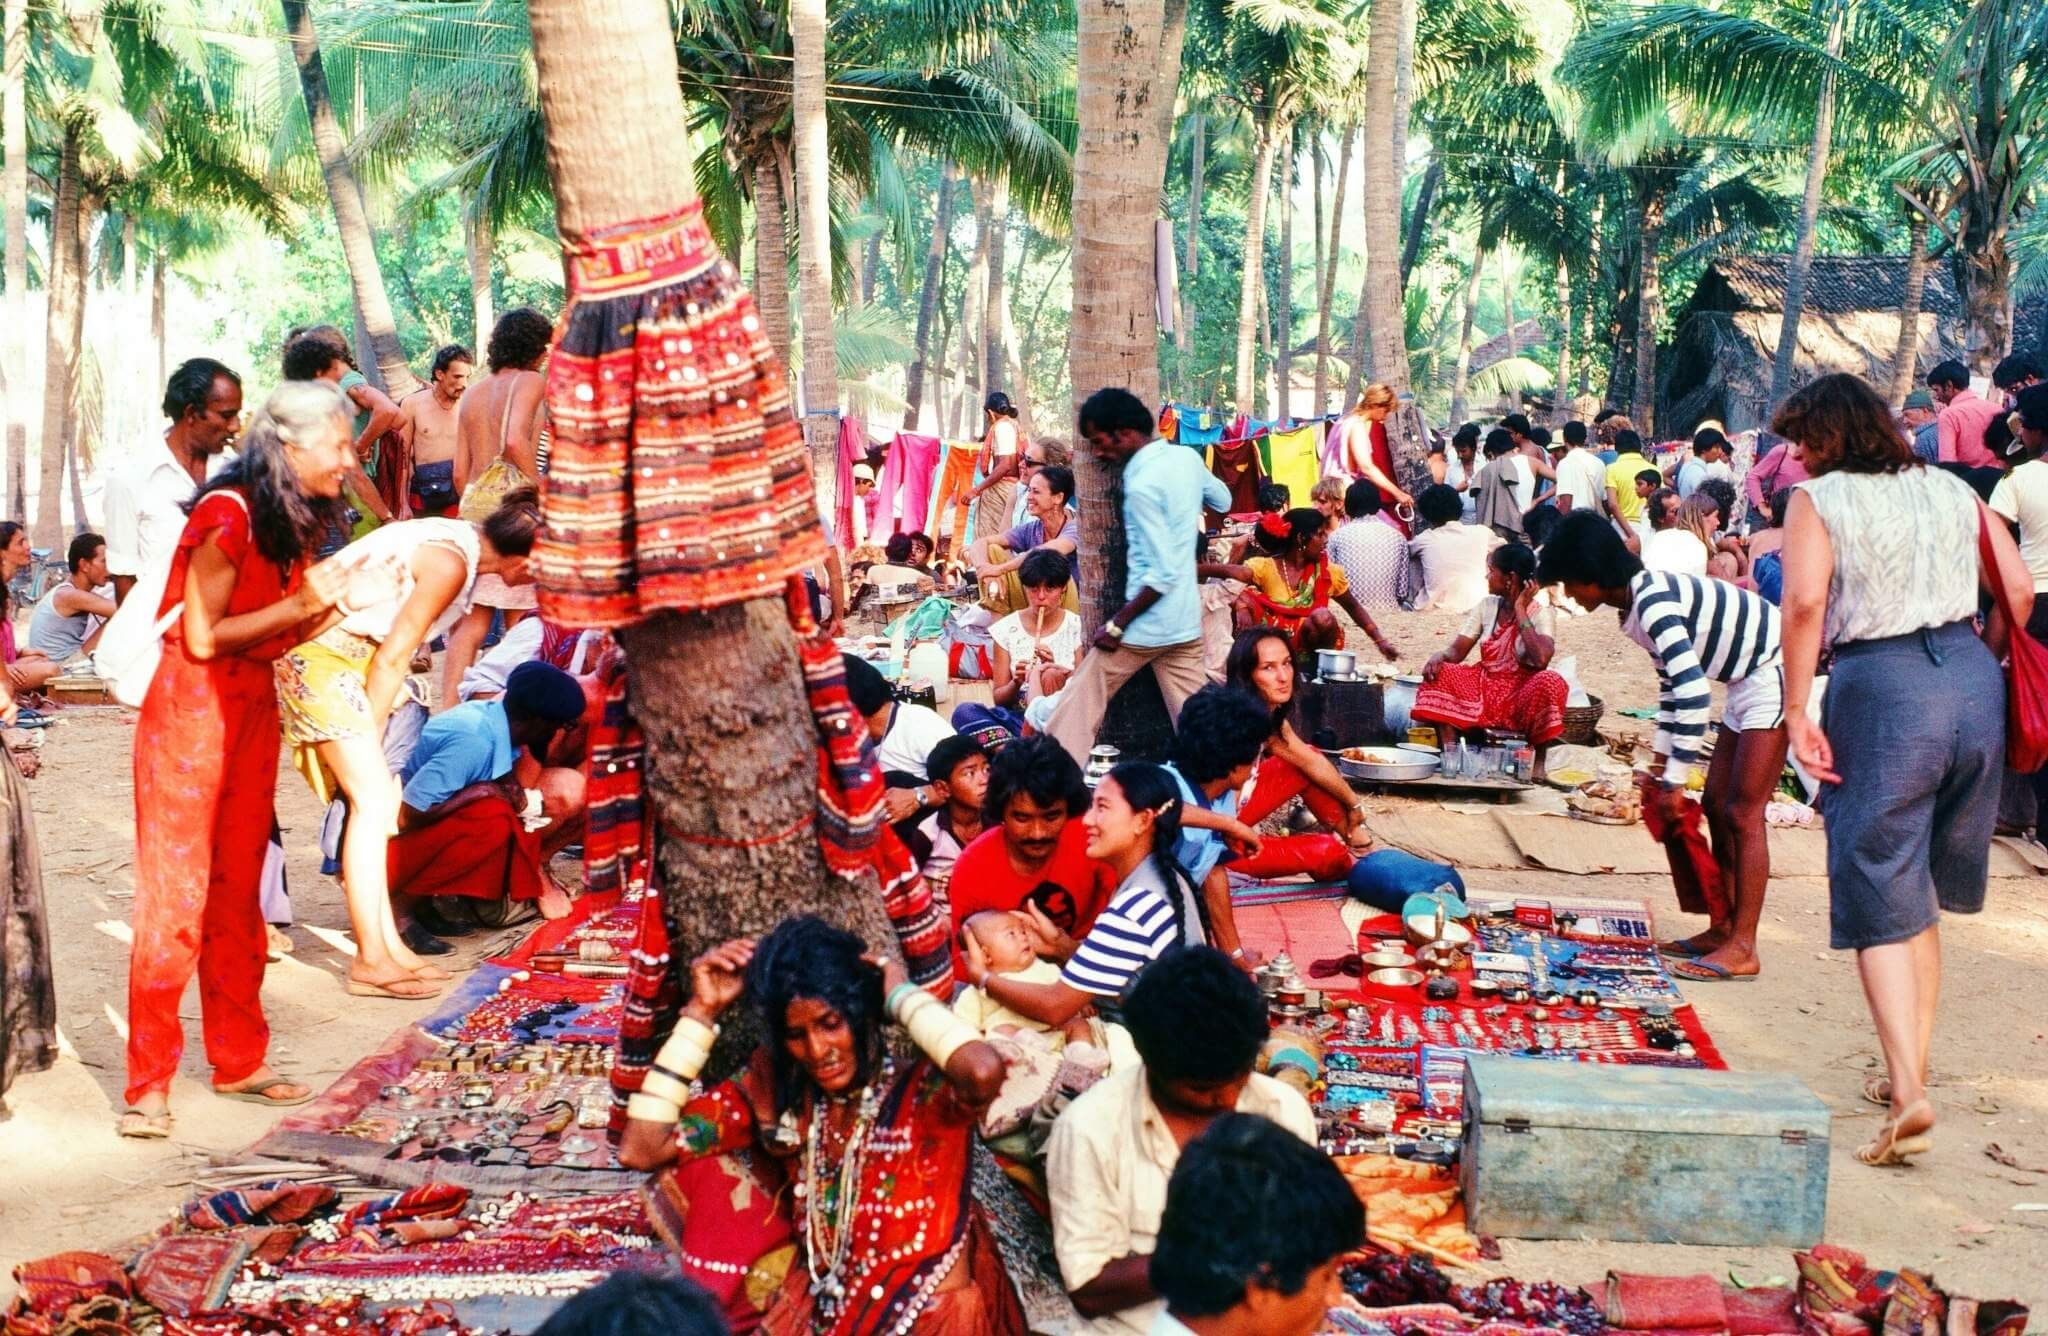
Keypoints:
(1528, 334)
(1719, 364)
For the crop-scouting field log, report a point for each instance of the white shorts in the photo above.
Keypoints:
(1757, 702)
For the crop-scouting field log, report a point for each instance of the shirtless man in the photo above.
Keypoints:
(498, 417)
(429, 432)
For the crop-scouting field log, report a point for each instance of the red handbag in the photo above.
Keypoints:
(2026, 672)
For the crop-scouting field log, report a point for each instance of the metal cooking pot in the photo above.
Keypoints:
(1397, 700)
(1336, 663)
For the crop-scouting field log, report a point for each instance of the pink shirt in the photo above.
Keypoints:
(1959, 430)
(1776, 471)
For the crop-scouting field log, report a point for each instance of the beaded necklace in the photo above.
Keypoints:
(829, 1206)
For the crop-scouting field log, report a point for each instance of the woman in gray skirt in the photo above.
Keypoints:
(1881, 565)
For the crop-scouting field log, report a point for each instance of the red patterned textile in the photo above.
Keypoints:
(429, 1201)
(679, 477)
(1497, 692)
(724, 1217)
(49, 1285)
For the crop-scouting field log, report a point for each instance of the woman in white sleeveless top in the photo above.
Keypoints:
(1881, 561)
(336, 693)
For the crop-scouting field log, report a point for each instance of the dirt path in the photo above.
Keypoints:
(69, 1182)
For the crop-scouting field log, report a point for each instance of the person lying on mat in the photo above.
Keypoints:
(462, 824)
(1262, 662)
(1198, 1023)
(1698, 631)
(1222, 733)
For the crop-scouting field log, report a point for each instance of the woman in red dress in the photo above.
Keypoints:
(1511, 687)
(1369, 455)
(206, 747)
(1262, 662)
(888, 1235)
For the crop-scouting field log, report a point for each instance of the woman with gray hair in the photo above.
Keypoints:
(206, 746)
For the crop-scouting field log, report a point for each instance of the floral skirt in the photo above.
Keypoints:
(323, 696)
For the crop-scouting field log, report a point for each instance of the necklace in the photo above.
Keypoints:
(829, 1206)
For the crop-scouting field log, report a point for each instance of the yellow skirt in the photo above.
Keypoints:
(323, 696)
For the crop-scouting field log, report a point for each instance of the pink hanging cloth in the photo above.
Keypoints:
(853, 448)
(908, 470)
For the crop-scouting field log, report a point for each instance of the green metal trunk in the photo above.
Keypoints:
(1566, 1150)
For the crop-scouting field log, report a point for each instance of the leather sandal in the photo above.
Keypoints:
(1895, 1146)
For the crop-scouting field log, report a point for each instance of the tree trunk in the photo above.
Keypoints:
(1906, 355)
(65, 286)
(128, 265)
(156, 319)
(995, 312)
(1561, 393)
(1809, 218)
(351, 220)
(1461, 383)
(871, 269)
(478, 242)
(1128, 68)
(1383, 199)
(1507, 299)
(928, 300)
(771, 254)
(1269, 136)
(973, 304)
(1404, 96)
(1185, 333)
(729, 753)
(1418, 217)
(814, 245)
(1649, 236)
(1315, 226)
(1264, 353)
(14, 204)
(1282, 299)
(1328, 288)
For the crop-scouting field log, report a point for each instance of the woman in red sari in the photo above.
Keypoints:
(888, 1235)
(206, 746)
(1369, 455)
(1511, 687)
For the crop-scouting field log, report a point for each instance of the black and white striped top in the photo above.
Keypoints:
(1133, 930)
(1698, 630)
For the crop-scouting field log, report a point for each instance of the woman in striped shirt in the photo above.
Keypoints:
(1697, 631)
(1133, 825)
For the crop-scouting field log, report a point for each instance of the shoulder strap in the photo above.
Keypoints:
(505, 417)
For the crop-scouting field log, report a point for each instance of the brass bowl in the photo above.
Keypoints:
(1388, 958)
(1395, 978)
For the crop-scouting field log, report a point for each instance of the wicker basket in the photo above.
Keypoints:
(1581, 722)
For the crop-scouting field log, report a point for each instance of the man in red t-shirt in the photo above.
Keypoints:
(1034, 850)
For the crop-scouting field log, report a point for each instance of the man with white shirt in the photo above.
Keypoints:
(146, 497)
(1581, 474)
(1198, 1022)
(1256, 1226)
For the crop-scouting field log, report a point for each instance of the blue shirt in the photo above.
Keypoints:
(1691, 474)
(1200, 849)
(1165, 489)
(1926, 444)
(469, 744)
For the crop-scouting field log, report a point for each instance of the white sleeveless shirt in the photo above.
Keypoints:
(402, 540)
(1905, 551)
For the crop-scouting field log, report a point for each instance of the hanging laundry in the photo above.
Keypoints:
(906, 486)
(1292, 462)
(956, 479)
(1236, 465)
(1168, 423)
(853, 449)
(1200, 436)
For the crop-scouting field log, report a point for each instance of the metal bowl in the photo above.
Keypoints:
(1395, 978)
(1388, 958)
(1410, 766)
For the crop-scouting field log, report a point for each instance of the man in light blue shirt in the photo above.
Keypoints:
(1165, 489)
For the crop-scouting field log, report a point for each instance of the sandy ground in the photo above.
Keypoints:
(67, 1182)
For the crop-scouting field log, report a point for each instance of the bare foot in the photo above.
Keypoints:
(404, 986)
(1697, 945)
(414, 964)
(554, 901)
(147, 1119)
(1720, 965)
(264, 1086)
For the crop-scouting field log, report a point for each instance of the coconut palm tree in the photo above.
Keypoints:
(14, 205)
(808, 157)
(731, 752)
(345, 194)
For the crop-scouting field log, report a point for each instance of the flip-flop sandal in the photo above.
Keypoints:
(255, 1094)
(393, 990)
(1706, 971)
(1679, 951)
(139, 1126)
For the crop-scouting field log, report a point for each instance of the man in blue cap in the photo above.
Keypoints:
(467, 827)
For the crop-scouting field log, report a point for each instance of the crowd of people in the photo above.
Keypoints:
(305, 562)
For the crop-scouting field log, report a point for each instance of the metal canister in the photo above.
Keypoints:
(1101, 760)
